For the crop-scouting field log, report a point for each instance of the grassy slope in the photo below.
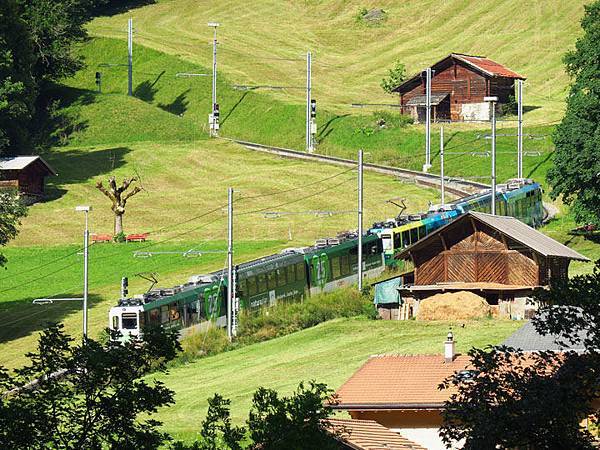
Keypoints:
(259, 117)
(350, 58)
(329, 353)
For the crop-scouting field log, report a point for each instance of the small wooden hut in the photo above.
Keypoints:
(25, 174)
(459, 84)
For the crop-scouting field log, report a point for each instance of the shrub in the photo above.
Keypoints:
(198, 343)
(119, 237)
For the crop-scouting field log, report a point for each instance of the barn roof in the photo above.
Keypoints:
(21, 162)
(481, 64)
(511, 227)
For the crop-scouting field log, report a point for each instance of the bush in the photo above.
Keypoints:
(119, 237)
(198, 343)
(288, 318)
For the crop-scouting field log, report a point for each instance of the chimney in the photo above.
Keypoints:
(449, 352)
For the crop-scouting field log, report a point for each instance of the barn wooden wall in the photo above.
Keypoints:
(474, 256)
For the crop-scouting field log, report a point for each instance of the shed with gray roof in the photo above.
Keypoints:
(25, 174)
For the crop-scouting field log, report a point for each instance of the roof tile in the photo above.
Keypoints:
(401, 381)
(369, 435)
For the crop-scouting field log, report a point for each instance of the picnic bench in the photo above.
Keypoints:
(139, 237)
(101, 238)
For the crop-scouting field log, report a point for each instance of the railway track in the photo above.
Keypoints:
(456, 186)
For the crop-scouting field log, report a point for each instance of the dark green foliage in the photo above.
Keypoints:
(274, 422)
(534, 400)
(576, 172)
(11, 212)
(17, 86)
(396, 75)
(88, 395)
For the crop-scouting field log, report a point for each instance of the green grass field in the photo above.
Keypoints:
(264, 42)
(329, 353)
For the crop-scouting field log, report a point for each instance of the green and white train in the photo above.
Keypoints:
(295, 274)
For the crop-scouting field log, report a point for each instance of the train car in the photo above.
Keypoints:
(201, 299)
(271, 280)
(334, 266)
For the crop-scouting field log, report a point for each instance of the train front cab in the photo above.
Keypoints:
(128, 320)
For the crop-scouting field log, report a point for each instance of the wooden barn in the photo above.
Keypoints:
(25, 174)
(497, 257)
(458, 85)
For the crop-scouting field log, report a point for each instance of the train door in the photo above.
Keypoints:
(319, 270)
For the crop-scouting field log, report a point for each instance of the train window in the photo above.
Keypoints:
(291, 273)
(142, 320)
(242, 287)
(271, 280)
(300, 272)
(164, 314)
(115, 323)
(354, 257)
(281, 277)
(154, 316)
(422, 232)
(345, 265)
(129, 321)
(262, 283)
(173, 311)
(251, 282)
(414, 235)
(397, 240)
(335, 268)
(405, 238)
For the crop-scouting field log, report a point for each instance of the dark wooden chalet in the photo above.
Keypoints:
(25, 174)
(497, 257)
(458, 85)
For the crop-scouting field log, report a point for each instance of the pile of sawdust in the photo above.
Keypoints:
(460, 305)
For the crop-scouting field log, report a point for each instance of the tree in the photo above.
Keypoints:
(17, 85)
(118, 197)
(11, 212)
(576, 172)
(89, 395)
(535, 401)
(396, 75)
(294, 422)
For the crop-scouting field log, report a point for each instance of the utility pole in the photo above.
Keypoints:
(520, 130)
(213, 118)
(427, 164)
(360, 220)
(442, 181)
(130, 57)
(86, 239)
(492, 101)
(230, 291)
(309, 146)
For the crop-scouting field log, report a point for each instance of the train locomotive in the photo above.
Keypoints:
(298, 273)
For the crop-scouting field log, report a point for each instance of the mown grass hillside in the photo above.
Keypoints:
(264, 42)
(329, 352)
(169, 108)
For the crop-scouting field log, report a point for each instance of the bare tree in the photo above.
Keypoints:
(118, 197)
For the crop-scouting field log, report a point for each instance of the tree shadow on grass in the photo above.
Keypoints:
(121, 6)
(79, 166)
(178, 106)
(22, 318)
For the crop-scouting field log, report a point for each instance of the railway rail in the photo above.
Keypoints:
(457, 186)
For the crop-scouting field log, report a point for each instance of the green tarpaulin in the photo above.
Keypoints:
(387, 291)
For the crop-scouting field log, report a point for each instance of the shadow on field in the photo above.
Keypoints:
(78, 166)
(22, 318)
(121, 6)
(539, 164)
(327, 127)
(240, 100)
(178, 106)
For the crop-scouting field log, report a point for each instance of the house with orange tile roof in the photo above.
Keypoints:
(459, 84)
(367, 435)
(401, 392)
